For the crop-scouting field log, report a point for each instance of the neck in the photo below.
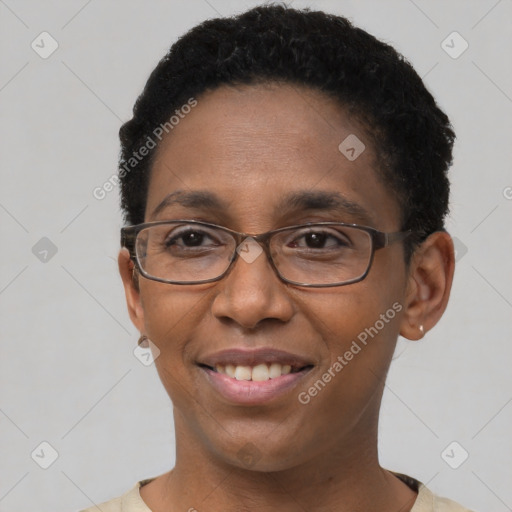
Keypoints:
(345, 477)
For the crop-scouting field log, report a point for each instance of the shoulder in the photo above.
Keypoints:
(427, 501)
(130, 501)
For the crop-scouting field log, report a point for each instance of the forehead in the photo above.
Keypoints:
(254, 145)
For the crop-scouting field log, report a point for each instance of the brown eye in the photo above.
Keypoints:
(319, 240)
(189, 239)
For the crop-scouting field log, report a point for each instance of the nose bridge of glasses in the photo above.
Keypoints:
(250, 247)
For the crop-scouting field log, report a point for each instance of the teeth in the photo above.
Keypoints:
(275, 370)
(230, 370)
(259, 372)
(243, 373)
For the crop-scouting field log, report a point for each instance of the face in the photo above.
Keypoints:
(252, 148)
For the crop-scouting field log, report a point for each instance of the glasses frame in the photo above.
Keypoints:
(379, 240)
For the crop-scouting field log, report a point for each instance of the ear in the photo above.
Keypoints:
(429, 284)
(129, 276)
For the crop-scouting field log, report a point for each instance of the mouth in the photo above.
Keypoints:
(254, 377)
(258, 373)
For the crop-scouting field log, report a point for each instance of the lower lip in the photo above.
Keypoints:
(249, 392)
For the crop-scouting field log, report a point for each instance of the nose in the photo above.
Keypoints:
(252, 292)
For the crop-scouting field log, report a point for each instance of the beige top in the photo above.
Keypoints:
(426, 501)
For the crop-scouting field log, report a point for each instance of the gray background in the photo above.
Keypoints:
(68, 375)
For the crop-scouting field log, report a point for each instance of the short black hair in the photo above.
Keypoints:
(411, 135)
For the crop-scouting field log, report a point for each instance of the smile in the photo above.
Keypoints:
(253, 377)
(258, 373)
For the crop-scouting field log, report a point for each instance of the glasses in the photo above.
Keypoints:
(321, 254)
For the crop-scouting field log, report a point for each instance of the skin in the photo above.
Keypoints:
(251, 146)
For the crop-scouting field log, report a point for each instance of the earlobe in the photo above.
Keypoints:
(132, 294)
(429, 284)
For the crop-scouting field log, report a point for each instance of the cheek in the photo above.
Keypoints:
(171, 310)
(342, 315)
(171, 318)
(359, 329)
(358, 344)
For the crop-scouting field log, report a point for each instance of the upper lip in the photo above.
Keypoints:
(253, 357)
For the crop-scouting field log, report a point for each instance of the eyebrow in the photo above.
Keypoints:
(197, 199)
(302, 201)
(326, 201)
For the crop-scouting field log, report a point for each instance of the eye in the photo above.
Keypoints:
(189, 237)
(319, 239)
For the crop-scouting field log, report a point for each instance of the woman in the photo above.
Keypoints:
(284, 186)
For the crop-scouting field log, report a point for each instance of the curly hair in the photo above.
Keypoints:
(411, 135)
